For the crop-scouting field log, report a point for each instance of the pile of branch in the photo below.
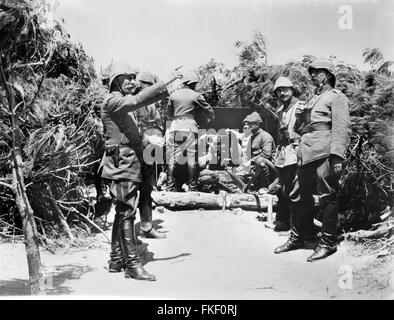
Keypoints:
(383, 233)
(380, 230)
(57, 127)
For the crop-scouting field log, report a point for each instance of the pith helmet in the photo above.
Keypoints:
(253, 117)
(283, 82)
(322, 64)
(120, 68)
(190, 77)
(147, 77)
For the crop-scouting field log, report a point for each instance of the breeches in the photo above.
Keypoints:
(287, 180)
(318, 178)
(126, 196)
(181, 148)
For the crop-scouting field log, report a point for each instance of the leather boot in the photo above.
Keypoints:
(116, 263)
(283, 215)
(296, 240)
(171, 184)
(293, 243)
(308, 227)
(192, 177)
(327, 244)
(134, 268)
(326, 247)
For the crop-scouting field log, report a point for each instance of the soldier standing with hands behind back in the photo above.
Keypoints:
(324, 126)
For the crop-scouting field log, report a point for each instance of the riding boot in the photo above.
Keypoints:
(326, 247)
(134, 268)
(116, 263)
(171, 184)
(327, 244)
(193, 174)
(308, 227)
(283, 216)
(145, 207)
(295, 240)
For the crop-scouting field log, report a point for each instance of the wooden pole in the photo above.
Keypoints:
(22, 202)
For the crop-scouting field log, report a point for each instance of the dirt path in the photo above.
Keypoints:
(207, 255)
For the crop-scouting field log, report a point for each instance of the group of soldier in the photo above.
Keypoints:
(306, 159)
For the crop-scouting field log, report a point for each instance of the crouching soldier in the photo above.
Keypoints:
(121, 163)
(325, 136)
(257, 151)
(183, 131)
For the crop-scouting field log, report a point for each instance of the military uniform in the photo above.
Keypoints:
(123, 146)
(147, 118)
(324, 126)
(327, 134)
(286, 160)
(121, 164)
(182, 133)
(257, 150)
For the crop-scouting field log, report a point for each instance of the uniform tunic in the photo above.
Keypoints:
(182, 107)
(328, 135)
(330, 107)
(182, 134)
(287, 154)
(122, 159)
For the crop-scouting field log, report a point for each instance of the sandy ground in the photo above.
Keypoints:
(206, 255)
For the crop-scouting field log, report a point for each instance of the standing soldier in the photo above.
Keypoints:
(286, 157)
(182, 134)
(324, 127)
(147, 118)
(121, 163)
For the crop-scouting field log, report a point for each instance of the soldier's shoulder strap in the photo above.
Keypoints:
(107, 97)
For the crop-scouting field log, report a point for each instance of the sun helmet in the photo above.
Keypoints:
(120, 68)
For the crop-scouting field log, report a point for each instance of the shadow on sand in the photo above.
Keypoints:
(54, 279)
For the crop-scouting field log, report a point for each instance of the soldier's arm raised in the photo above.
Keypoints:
(146, 97)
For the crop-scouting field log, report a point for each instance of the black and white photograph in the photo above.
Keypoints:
(214, 151)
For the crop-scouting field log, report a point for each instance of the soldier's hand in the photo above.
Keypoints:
(174, 76)
(336, 164)
(177, 75)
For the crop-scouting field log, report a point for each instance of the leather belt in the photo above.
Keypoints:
(184, 117)
(316, 127)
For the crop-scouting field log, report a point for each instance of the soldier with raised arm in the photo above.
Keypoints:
(122, 161)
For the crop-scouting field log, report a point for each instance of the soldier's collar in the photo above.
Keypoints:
(323, 89)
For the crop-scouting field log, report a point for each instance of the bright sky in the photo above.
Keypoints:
(160, 35)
